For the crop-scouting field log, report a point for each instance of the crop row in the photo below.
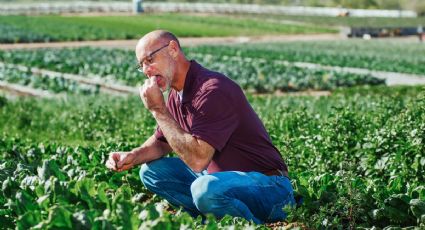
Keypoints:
(21, 29)
(357, 158)
(266, 76)
(54, 85)
(255, 75)
(346, 21)
(394, 56)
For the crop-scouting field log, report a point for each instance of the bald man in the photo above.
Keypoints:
(226, 161)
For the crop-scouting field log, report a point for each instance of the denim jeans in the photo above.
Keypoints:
(251, 195)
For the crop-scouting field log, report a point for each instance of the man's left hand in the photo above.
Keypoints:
(151, 95)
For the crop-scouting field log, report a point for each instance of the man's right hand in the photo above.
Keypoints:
(120, 161)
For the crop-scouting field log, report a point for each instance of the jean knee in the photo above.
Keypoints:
(203, 193)
(143, 173)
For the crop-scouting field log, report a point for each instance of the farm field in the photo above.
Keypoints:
(385, 55)
(254, 75)
(356, 153)
(344, 21)
(356, 157)
(21, 29)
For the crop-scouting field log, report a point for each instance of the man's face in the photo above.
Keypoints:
(155, 62)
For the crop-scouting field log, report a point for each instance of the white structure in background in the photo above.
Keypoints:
(271, 9)
(135, 5)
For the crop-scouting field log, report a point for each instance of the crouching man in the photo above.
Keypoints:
(226, 161)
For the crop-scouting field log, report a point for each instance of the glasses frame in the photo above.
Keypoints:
(150, 56)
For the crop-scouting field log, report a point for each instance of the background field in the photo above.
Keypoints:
(345, 21)
(16, 29)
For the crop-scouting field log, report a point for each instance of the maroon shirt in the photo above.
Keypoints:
(215, 110)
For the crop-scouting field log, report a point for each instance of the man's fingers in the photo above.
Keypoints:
(111, 165)
(124, 167)
(153, 81)
(116, 157)
(112, 161)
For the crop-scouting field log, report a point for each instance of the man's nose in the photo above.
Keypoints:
(147, 70)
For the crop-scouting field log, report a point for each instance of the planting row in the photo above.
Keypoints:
(394, 56)
(54, 85)
(262, 76)
(357, 158)
(346, 21)
(253, 74)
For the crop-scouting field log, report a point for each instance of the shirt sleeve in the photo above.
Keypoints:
(159, 135)
(215, 119)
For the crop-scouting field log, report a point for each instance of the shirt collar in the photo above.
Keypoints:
(189, 82)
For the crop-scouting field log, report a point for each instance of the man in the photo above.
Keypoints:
(226, 162)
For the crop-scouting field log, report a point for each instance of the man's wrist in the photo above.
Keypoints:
(135, 152)
(157, 112)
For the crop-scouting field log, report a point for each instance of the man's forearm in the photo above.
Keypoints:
(149, 151)
(183, 143)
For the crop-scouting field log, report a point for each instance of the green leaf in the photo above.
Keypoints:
(29, 219)
(418, 207)
(82, 219)
(25, 202)
(44, 201)
(50, 168)
(59, 217)
(101, 193)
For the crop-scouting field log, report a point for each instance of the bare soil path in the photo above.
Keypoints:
(130, 44)
(20, 90)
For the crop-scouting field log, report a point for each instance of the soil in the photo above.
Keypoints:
(130, 44)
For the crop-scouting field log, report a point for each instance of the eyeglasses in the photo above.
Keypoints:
(149, 58)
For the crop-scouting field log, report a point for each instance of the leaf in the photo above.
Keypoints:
(28, 220)
(101, 193)
(86, 191)
(81, 220)
(59, 217)
(417, 207)
(25, 202)
(44, 201)
(50, 168)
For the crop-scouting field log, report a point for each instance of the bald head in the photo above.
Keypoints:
(164, 36)
(159, 55)
(156, 37)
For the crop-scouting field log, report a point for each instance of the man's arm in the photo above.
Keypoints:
(151, 150)
(195, 152)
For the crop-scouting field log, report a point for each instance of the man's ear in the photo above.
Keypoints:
(174, 49)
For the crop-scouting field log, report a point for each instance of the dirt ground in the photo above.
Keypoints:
(130, 44)
(191, 41)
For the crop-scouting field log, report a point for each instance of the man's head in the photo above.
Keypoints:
(160, 56)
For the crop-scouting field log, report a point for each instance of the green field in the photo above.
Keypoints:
(254, 75)
(17, 29)
(343, 21)
(385, 55)
(356, 157)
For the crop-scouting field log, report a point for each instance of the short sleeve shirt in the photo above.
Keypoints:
(215, 110)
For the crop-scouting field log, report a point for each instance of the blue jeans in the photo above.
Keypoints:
(251, 195)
